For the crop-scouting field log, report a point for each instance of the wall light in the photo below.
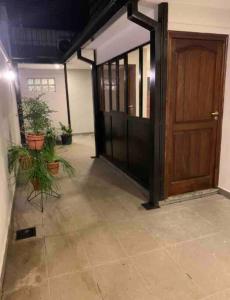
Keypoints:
(9, 75)
(57, 66)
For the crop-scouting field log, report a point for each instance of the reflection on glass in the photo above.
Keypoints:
(114, 85)
(133, 83)
(101, 88)
(106, 87)
(146, 81)
(121, 85)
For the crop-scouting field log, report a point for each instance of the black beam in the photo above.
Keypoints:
(158, 52)
(19, 103)
(163, 19)
(141, 82)
(37, 60)
(137, 17)
(117, 86)
(96, 102)
(67, 95)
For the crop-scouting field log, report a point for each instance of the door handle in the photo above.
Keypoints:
(215, 115)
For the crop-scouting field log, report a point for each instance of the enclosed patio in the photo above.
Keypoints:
(98, 242)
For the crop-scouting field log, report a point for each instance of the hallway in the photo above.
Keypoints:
(97, 243)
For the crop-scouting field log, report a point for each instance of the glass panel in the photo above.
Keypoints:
(122, 85)
(133, 83)
(114, 85)
(31, 88)
(37, 81)
(51, 88)
(30, 81)
(38, 88)
(106, 87)
(45, 88)
(44, 81)
(51, 81)
(146, 81)
(101, 88)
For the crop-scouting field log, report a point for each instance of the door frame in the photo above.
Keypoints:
(168, 138)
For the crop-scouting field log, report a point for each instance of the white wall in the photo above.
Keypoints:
(9, 129)
(56, 100)
(81, 100)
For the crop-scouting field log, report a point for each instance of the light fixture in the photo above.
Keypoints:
(9, 75)
(57, 66)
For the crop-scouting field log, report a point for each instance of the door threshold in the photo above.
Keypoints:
(189, 196)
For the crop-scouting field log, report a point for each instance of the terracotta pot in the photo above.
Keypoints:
(35, 141)
(36, 184)
(53, 167)
(25, 162)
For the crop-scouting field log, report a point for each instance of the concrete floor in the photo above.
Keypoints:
(97, 243)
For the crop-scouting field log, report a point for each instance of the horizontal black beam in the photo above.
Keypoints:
(37, 60)
(95, 25)
(137, 17)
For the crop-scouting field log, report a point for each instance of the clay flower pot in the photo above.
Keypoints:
(53, 167)
(25, 162)
(36, 184)
(35, 141)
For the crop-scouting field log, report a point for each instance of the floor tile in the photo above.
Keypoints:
(120, 281)
(74, 286)
(166, 280)
(64, 254)
(25, 264)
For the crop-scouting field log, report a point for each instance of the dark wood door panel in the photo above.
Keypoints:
(195, 92)
(108, 135)
(119, 129)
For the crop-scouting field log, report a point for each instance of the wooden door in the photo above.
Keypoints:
(194, 110)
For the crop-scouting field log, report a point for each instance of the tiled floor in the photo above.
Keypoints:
(97, 243)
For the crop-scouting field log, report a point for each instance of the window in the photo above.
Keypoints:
(146, 81)
(41, 85)
(114, 85)
(122, 85)
(106, 87)
(133, 83)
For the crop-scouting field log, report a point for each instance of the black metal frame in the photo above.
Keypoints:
(67, 95)
(158, 46)
(96, 103)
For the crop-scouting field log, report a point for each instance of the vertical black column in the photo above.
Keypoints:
(141, 82)
(19, 102)
(67, 95)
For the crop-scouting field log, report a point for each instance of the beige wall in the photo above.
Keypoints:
(81, 100)
(9, 129)
(56, 100)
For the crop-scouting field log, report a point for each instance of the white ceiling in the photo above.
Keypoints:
(207, 3)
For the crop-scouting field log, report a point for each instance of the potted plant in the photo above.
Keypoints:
(53, 160)
(66, 136)
(38, 175)
(36, 117)
(19, 155)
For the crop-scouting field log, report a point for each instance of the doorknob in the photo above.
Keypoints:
(215, 115)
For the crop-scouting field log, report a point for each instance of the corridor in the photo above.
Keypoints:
(97, 243)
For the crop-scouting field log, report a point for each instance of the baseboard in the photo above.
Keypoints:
(224, 193)
(8, 239)
(83, 133)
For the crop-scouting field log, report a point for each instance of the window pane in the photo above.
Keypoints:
(31, 88)
(146, 81)
(37, 81)
(51, 88)
(121, 85)
(133, 83)
(106, 87)
(44, 81)
(51, 81)
(114, 85)
(30, 81)
(101, 88)
(45, 88)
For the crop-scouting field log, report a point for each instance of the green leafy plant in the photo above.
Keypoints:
(65, 130)
(39, 175)
(15, 154)
(36, 114)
